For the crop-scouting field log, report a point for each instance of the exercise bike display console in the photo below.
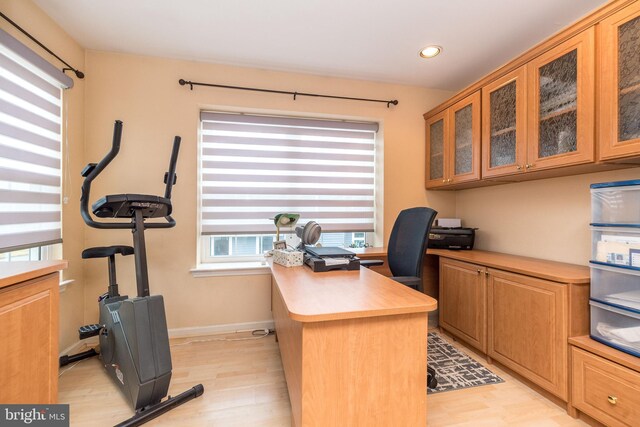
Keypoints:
(134, 341)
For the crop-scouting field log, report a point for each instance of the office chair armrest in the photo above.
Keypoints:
(368, 263)
(410, 281)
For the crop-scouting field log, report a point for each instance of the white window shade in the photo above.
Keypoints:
(253, 167)
(30, 147)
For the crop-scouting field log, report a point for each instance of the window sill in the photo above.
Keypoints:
(231, 269)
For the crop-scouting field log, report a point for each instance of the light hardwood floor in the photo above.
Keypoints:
(244, 386)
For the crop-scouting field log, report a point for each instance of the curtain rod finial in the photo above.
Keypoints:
(79, 74)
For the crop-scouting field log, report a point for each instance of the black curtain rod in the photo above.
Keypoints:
(295, 94)
(79, 74)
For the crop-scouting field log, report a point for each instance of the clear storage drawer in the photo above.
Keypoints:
(616, 245)
(616, 285)
(616, 202)
(616, 327)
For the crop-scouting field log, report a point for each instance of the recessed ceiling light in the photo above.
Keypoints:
(430, 51)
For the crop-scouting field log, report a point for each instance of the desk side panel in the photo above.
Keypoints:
(365, 371)
(289, 335)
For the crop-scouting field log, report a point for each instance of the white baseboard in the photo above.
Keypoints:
(194, 331)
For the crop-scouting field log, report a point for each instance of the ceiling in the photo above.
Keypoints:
(363, 39)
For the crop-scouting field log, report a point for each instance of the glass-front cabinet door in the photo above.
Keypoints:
(453, 144)
(464, 140)
(561, 104)
(437, 150)
(504, 126)
(619, 105)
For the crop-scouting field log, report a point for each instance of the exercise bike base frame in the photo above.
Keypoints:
(155, 411)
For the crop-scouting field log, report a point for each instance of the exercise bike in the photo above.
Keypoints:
(134, 341)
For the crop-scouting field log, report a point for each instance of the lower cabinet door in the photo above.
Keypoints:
(604, 390)
(528, 328)
(463, 301)
(29, 340)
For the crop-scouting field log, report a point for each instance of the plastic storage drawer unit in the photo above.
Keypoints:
(615, 202)
(618, 286)
(616, 327)
(616, 245)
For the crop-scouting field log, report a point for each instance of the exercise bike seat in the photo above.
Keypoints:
(106, 251)
(125, 205)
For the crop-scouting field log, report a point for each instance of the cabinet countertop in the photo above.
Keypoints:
(20, 271)
(544, 269)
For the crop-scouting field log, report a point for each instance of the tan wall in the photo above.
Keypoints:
(546, 219)
(145, 94)
(33, 20)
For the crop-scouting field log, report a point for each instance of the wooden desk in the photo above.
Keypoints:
(29, 331)
(353, 346)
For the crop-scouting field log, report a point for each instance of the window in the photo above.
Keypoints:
(38, 253)
(30, 151)
(254, 167)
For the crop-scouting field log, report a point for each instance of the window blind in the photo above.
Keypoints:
(253, 167)
(30, 147)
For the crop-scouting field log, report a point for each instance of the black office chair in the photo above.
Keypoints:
(407, 246)
(405, 253)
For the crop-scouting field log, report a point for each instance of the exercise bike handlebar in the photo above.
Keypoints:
(92, 170)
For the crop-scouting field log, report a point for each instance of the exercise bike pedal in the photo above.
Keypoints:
(88, 331)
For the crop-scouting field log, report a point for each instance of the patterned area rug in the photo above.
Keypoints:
(454, 369)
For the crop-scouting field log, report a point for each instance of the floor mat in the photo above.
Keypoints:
(455, 370)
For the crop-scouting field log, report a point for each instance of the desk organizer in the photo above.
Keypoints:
(615, 265)
(288, 258)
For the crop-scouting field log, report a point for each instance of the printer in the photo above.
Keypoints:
(451, 237)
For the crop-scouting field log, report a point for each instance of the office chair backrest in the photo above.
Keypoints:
(408, 241)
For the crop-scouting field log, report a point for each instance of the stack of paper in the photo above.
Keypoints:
(629, 299)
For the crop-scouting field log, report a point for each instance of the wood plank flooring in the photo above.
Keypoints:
(245, 386)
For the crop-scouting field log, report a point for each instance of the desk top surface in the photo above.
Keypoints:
(341, 294)
(15, 272)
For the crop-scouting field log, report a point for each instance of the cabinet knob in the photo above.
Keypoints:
(449, 180)
(529, 165)
(612, 399)
(444, 180)
(479, 271)
(518, 167)
(486, 273)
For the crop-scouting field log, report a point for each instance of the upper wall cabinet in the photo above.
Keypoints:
(619, 106)
(540, 115)
(453, 144)
(504, 126)
(557, 109)
(561, 93)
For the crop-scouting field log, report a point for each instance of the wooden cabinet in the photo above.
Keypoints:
(463, 302)
(604, 390)
(619, 89)
(541, 115)
(561, 104)
(605, 383)
(528, 328)
(504, 125)
(29, 334)
(453, 144)
(526, 308)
